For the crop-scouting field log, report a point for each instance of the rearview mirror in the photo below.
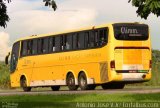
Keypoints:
(6, 59)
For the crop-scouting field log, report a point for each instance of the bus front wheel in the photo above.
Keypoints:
(71, 82)
(23, 83)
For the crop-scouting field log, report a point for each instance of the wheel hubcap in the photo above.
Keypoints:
(83, 82)
(71, 81)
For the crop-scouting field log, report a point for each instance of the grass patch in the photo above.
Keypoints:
(4, 76)
(153, 97)
(70, 100)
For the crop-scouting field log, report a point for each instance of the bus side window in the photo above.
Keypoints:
(91, 39)
(45, 45)
(81, 40)
(96, 44)
(29, 47)
(39, 46)
(34, 46)
(51, 44)
(68, 43)
(24, 48)
(75, 41)
(86, 39)
(103, 36)
(106, 34)
(63, 42)
(58, 43)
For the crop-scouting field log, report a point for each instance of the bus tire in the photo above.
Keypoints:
(23, 83)
(71, 82)
(82, 82)
(55, 88)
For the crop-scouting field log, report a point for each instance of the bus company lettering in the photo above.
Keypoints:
(79, 56)
(27, 62)
(93, 55)
(125, 30)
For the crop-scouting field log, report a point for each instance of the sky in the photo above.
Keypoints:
(31, 17)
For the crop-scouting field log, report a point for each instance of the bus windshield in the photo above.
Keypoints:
(131, 31)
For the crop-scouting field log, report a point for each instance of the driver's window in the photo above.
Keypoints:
(14, 56)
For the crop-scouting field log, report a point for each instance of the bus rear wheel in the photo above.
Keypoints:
(23, 83)
(71, 82)
(82, 81)
(55, 88)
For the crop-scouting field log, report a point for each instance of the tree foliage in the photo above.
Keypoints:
(146, 7)
(51, 3)
(4, 18)
(155, 55)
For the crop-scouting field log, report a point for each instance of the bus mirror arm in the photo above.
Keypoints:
(6, 59)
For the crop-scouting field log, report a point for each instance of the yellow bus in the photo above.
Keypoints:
(110, 55)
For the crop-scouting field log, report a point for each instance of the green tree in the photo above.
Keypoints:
(51, 3)
(4, 18)
(146, 7)
(3, 13)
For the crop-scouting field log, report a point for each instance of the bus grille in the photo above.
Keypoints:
(103, 72)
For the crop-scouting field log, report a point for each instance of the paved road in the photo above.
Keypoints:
(110, 91)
